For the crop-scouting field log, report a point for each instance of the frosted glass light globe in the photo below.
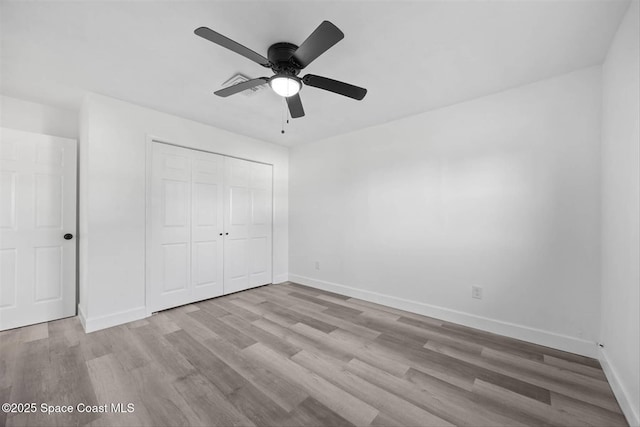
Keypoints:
(285, 85)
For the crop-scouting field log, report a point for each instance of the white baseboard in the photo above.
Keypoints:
(624, 400)
(512, 330)
(280, 278)
(93, 324)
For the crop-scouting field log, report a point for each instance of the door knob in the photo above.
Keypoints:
(68, 236)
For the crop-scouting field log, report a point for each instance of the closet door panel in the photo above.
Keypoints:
(237, 205)
(207, 225)
(248, 222)
(170, 203)
(186, 236)
(260, 227)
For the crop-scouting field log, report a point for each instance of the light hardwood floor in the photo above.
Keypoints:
(289, 355)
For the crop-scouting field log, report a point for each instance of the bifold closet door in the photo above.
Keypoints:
(248, 219)
(185, 254)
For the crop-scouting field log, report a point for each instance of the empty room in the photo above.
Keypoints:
(320, 213)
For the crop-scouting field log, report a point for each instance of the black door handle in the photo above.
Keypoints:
(68, 236)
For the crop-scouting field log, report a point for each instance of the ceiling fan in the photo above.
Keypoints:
(286, 60)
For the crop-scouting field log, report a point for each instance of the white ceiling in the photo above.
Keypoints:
(411, 56)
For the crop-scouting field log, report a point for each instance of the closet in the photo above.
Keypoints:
(210, 226)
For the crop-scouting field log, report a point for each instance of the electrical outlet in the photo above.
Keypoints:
(476, 292)
(317, 265)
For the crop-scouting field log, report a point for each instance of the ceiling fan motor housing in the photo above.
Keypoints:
(281, 58)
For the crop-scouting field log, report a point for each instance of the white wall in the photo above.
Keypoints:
(502, 192)
(621, 215)
(112, 200)
(39, 118)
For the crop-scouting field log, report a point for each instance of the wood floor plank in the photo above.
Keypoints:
(250, 401)
(442, 366)
(164, 405)
(550, 414)
(385, 420)
(473, 403)
(68, 330)
(251, 297)
(260, 335)
(70, 381)
(400, 409)
(367, 353)
(163, 323)
(394, 311)
(336, 305)
(301, 340)
(95, 345)
(34, 332)
(312, 413)
(283, 392)
(222, 330)
(336, 399)
(209, 404)
(214, 308)
(570, 357)
(296, 317)
(30, 381)
(474, 412)
(589, 414)
(505, 381)
(131, 355)
(548, 377)
(256, 309)
(494, 341)
(427, 398)
(283, 299)
(235, 310)
(579, 368)
(308, 305)
(163, 353)
(295, 287)
(112, 384)
(188, 324)
(9, 351)
(357, 330)
(417, 335)
(291, 355)
(346, 345)
(593, 391)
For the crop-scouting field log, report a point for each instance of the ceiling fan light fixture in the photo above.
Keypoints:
(285, 85)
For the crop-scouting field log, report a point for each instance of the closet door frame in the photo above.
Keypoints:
(150, 141)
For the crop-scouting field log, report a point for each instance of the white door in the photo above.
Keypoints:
(247, 219)
(207, 242)
(37, 209)
(186, 247)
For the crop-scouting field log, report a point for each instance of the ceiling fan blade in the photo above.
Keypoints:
(335, 86)
(323, 37)
(231, 90)
(219, 39)
(295, 106)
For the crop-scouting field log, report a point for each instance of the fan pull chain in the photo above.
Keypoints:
(284, 107)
